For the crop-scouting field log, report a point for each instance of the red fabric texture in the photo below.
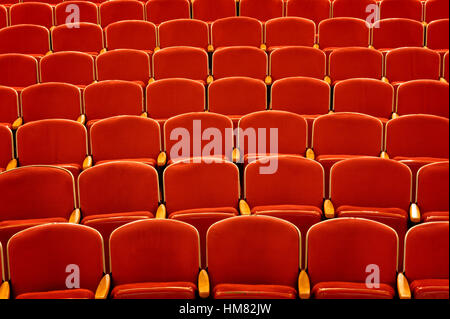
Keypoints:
(59, 294)
(9, 111)
(18, 70)
(87, 37)
(315, 10)
(437, 35)
(159, 11)
(396, 33)
(32, 13)
(121, 10)
(436, 9)
(343, 32)
(6, 146)
(172, 290)
(88, 12)
(131, 34)
(350, 290)
(290, 31)
(409, 9)
(432, 189)
(352, 8)
(212, 10)
(25, 39)
(237, 31)
(262, 10)
(430, 289)
(236, 291)
(184, 32)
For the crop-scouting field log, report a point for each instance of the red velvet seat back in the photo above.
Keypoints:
(120, 10)
(131, 34)
(409, 9)
(6, 147)
(315, 10)
(64, 12)
(397, 33)
(159, 11)
(25, 39)
(184, 32)
(432, 187)
(32, 13)
(83, 37)
(18, 70)
(9, 110)
(290, 31)
(437, 35)
(212, 10)
(262, 10)
(353, 8)
(237, 31)
(343, 32)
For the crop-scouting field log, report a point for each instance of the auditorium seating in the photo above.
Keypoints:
(166, 255)
(367, 96)
(127, 138)
(315, 10)
(390, 34)
(337, 242)
(124, 64)
(74, 249)
(119, 10)
(202, 193)
(426, 262)
(423, 97)
(132, 34)
(6, 147)
(298, 198)
(9, 109)
(212, 10)
(237, 96)
(31, 13)
(353, 8)
(408, 9)
(159, 11)
(75, 68)
(431, 194)
(82, 37)
(184, 32)
(3, 16)
(435, 10)
(64, 12)
(18, 70)
(262, 10)
(237, 31)
(28, 39)
(437, 36)
(289, 31)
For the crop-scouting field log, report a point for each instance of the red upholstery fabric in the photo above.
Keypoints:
(62, 245)
(51, 100)
(435, 217)
(212, 10)
(437, 35)
(121, 10)
(6, 146)
(396, 33)
(315, 10)
(262, 10)
(131, 34)
(297, 61)
(25, 39)
(3, 276)
(435, 10)
(445, 68)
(353, 8)
(31, 13)
(159, 11)
(69, 67)
(83, 37)
(237, 31)
(240, 61)
(289, 31)
(184, 32)
(350, 290)
(367, 96)
(251, 269)
(9, 109)
(172, 290)
(18, 70)
(64, 12)
(430, 289)
(3, 17)
(409, 9)
(343, 32)
(59, 294)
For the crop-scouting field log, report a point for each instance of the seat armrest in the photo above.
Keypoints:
(404, 292)
(161, 213)
(244, 208)
(384, 155)
(203, 284)
(268, 80)
(144, 114)
(81, 119)
(209, 79)
(263, 47)
(414, 213)
(210, 48)
(103, 51)
(385, 79)
(304, 288)
(75, 218)
(236, 156)
(162, 159)
(4, 290)
(152, 80)
(329, 209)
(17, 123)
(310, 154)
(103, 288)
(327, 79)
(12, 164)
(87, 162)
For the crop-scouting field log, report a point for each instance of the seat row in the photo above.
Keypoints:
(357, 241)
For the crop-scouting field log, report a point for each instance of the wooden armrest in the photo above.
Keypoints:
(210, 48)
(263, 47)
(144, 114)
(203, 284)
(371, 47)
(17, 123)
(48, 53)
(310, 154)
(385, 79)
(329, 209)
(395, 116)
(304, 288)
(443, 80)
(327, 79)
(414, 213)
(161, 213)
(316, 46)
(162, 159)
(4, 290)
(210, 79)
(152, 80)
(244, 208)
(12, 164)
(156, 49)
(268, 80)
(81, 119)
(103, 288)
(236, 155)
(103, 51)
(404, 292)
(75, 218)
(384, 155)
(87, 163)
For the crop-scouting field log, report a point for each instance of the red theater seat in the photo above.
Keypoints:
(167, 260)
(436, 9)
(237, 31)
(18, 71)
(212, 10)
(65, 12)
(119, 10)
(137, 35)
(315, 10)
(31, 13)
(9, 109)
(445, 71)
(408, 9)
(262, 10)
(82, 37)
(3, 16)
(74, 249)
(251, 271)
(4, 284)
(52, 2)
(159, 11)
(184, 32)
(426, 262)
(390, 34)
(360, 9)
(357, 248)
(25, 39)
(289, 31)
(437, 36)
(125, 138)
(6, 147)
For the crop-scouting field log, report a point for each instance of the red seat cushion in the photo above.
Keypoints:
(75, 169)
(350, 290)
(229, 291)
(435, 217)
(154, 290)
(250, 158)
(59, 294)
(148, 161)
(430, 289)
(106, 223)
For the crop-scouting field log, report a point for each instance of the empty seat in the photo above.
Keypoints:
(237, 31)
(25, 39)
(201, 194)
(407, 64)
(4, 284)
(297, 61)
(138, 35)
(32, 13)
(212, 10)
(409, 9)
(51, 101)
(432, 193)
(9, 109)
(360, 9)
(76, 68)
(129, 192)
(3, 17)
(6, 147)
(418, 140)
(423, 97)
(184, 32)
(198, 135)
(343, 32)
(74, 11)
(367, 96)
(267, 133)
(250, 271)
(119, 10)
(289, 31)
(125, 138)
(56, 142)
(167, 260)
(18, 71)
(315, 10)
(124, 64)
(236, 97)
(360, 249)
(159, 11)
(181, 62)
(76, 249)
(349, 63)
(111, 98)
(83, 37)
(298, 197)
(426, 261)
(445, 71)
(394, 33)
(262, 10)
(435, 10)
(437, 36)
